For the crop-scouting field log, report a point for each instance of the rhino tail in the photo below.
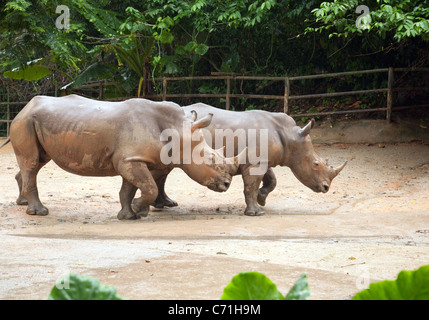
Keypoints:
(5, 143)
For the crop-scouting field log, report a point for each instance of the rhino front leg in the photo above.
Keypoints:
(251, 186)
(162, 200)
(269, 183)
(135, 176)
(126, 195)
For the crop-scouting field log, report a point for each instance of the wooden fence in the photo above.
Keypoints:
(287, 96)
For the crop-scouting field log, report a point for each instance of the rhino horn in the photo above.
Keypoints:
(306, 130)
(337, 170)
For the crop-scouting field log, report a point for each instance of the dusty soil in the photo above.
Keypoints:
(373, 223)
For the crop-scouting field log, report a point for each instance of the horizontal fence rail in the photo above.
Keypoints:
(286, 95)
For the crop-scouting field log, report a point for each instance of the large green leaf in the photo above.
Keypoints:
(29, 73)
(251, 286)
(201, 49)
(409, 285)
(81, 287)
(94, 72)
(300, 290)
(164, 37)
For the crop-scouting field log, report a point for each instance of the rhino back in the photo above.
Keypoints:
(74, 113)
(252, 119)
(82, 135)
(278, 126)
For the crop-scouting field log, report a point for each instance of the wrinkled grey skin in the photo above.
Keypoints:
(95, 138)
(288, 145)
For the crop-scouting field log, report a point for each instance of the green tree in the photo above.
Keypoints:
(29, 38)
(401, 19)
(130, 41)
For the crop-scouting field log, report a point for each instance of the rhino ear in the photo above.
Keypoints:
(202, 123)
(306, 130)
(193, 116)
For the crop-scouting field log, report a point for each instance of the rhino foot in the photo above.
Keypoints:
(37, 210)
(262, 197)
(143, 212)
(164, 202)
(21, 201)
(127, 215)
(140, 209)
(254, 212)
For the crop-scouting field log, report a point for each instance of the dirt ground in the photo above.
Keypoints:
(373, 223)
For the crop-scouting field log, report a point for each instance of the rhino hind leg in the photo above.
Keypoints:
(31, 158)
(135, 175)
(21, 199)
(269, 183)
(28, 187)
(162, 200)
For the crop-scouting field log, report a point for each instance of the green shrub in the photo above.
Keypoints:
(81, 287)
(257, 286)
(409, 285)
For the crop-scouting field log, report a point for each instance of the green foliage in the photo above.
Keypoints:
(95, 72)
(137, 55)
(257, 286)
(130, 41)
(402, 18)
(31, 73)
(409, 285)
(300, 290)
(28, 32)
(81, 287)
(188, 27)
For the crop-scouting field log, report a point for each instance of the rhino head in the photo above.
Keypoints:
(313, 171)
(208, 166)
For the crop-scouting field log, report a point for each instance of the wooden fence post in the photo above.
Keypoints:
(7, 112)
(164, 88)
(286, 96)
(390, 79)
(100, 91)
(228, 92)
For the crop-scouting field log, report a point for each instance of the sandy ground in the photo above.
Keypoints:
(373, 223)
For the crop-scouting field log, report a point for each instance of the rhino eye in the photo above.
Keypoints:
(316, 163)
